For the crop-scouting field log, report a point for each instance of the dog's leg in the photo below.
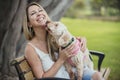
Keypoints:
(79, 70)
(88, 60)
(69, 70)
(78, 60)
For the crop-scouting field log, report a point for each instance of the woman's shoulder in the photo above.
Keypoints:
(29, 49)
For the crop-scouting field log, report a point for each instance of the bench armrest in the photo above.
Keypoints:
(100, 57)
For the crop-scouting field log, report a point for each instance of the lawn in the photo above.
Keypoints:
(102, 36)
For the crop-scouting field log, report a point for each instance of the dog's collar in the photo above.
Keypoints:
(68, 43)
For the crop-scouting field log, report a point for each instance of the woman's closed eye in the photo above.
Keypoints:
(34, 12)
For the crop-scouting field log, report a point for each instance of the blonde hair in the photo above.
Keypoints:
(28, 31)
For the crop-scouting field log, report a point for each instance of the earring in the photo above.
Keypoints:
(30, 29)
(30, 26)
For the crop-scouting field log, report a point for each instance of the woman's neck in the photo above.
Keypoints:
(40, 34)
(40, 39)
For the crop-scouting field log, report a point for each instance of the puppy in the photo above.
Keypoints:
(63, 39)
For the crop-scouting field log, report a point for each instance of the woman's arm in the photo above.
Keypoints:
(34, 61)
(63, 56)
(36, 64)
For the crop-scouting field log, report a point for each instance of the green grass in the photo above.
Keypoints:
(102, 36)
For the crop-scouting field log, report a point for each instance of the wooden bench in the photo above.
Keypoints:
(25, 72)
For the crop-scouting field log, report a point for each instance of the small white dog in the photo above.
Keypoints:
(64, 38)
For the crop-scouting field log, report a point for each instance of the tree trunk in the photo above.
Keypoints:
(11, 37)
(12, 23)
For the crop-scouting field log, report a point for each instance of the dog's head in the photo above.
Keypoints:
(55, 28)
(59, 32)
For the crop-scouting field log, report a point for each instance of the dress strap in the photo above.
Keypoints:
(32, 45)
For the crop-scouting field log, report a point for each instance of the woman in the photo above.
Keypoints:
(36, 51)
(39, 51)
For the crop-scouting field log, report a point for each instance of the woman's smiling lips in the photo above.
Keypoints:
(40, 18)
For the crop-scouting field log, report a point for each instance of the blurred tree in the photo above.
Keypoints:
(96, 6)
(79, 4)
(11, 35)
(112, 6)
(112, 3)
(106, 4)
(84, 8)
(73, 11)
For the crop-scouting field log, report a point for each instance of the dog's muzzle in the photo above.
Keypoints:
(68, 43)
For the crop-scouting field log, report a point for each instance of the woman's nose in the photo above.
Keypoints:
(38, 13)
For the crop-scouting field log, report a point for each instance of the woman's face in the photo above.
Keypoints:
(37, 16)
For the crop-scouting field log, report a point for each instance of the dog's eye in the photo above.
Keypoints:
(56, 24)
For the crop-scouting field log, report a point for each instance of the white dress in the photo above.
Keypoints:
(47, 63)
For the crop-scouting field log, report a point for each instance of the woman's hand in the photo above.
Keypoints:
(66, 53)
(83, 42)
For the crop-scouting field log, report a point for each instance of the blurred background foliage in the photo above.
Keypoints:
(99, 22)
(83, 8)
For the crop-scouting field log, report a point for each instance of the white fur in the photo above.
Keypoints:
(62, 37)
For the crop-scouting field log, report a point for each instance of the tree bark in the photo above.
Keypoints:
(12, 23)
(11, 37)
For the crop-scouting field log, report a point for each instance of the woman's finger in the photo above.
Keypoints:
(70, 55)
(70, 47)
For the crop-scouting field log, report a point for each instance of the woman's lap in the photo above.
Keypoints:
(87, 75)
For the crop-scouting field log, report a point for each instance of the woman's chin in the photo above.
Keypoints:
(43, 23)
